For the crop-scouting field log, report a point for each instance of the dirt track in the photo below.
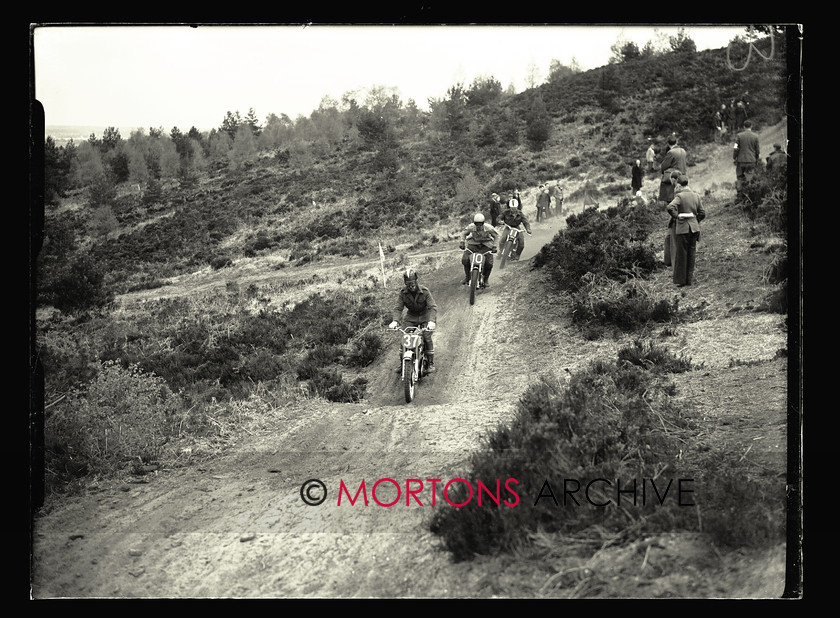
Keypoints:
(241, 529)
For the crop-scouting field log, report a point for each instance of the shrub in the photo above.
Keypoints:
(605, 425)
(80, 286)
(627, 305)
(652, 356)
(365, 349)
(123, 415)
(611, 243)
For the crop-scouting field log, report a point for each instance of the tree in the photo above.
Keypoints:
(230, 124)
(110, 139)
(483, 90)
(56, 169)
(456, 120)
(623, 50)
(537, 124)
(558, 71)
(532, 75)
(253, 123)
(374, 128)
(244, 147)
(682, 43)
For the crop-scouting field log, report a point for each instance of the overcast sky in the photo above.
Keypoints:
(164, 76)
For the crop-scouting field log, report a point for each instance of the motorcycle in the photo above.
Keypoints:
(414, 364)
(476, 271)
(509, 248)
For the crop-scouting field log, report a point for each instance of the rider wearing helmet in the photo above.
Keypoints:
(421, 311)
(514, 217)
(480, 237)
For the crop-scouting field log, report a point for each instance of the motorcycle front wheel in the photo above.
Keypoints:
(473, 285)
(408, 379)
(505, 250)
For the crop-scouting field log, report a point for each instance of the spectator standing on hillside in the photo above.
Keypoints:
(650, 158)
(674, 160)
(777, 158)
(543, 203)
(746, 155)
(719, 126)
(725, 120)
(740, 114)
(686, 210)
(636, 175)
(557, 193)
(421, 310)
(732, 119)
(514, 217)
(495, 208)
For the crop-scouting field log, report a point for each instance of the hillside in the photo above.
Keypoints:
(235, 526)
(221, 515)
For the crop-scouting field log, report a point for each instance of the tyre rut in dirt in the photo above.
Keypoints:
(408, 379)
(473, 285)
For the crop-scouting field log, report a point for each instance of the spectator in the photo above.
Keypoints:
(543, 203)
(636, 174)
(557, 193)
(674, 160)
(777, 158)
(686, 212)
(740, 114)
(719, 126)
(495, 208)
(745, 154)
(650, 158)
(513, 200)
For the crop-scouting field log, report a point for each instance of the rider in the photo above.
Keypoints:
(421, 311)
(514, 217)
(481, 237)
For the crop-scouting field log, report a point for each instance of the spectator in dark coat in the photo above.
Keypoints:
(636, 176)
(495, 209)
(745, 155)
(674, 160)
(777, 158)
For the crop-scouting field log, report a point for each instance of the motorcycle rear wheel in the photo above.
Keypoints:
(408, 379)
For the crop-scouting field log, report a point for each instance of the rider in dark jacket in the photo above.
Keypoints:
(479, 237)
(514, 217)
(421, 311)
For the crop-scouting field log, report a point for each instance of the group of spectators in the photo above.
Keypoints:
(682, 204)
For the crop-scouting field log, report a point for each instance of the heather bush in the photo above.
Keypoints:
(609, 243)
(122, 416)
(628, 304)
(605, 424)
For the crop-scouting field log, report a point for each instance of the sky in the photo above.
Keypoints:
(132, 77)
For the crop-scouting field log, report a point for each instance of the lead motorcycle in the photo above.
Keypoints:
(477, 270)
(414, 364)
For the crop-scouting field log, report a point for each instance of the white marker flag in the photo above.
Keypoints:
(382, 265)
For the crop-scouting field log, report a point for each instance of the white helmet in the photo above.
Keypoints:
(478, 218)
